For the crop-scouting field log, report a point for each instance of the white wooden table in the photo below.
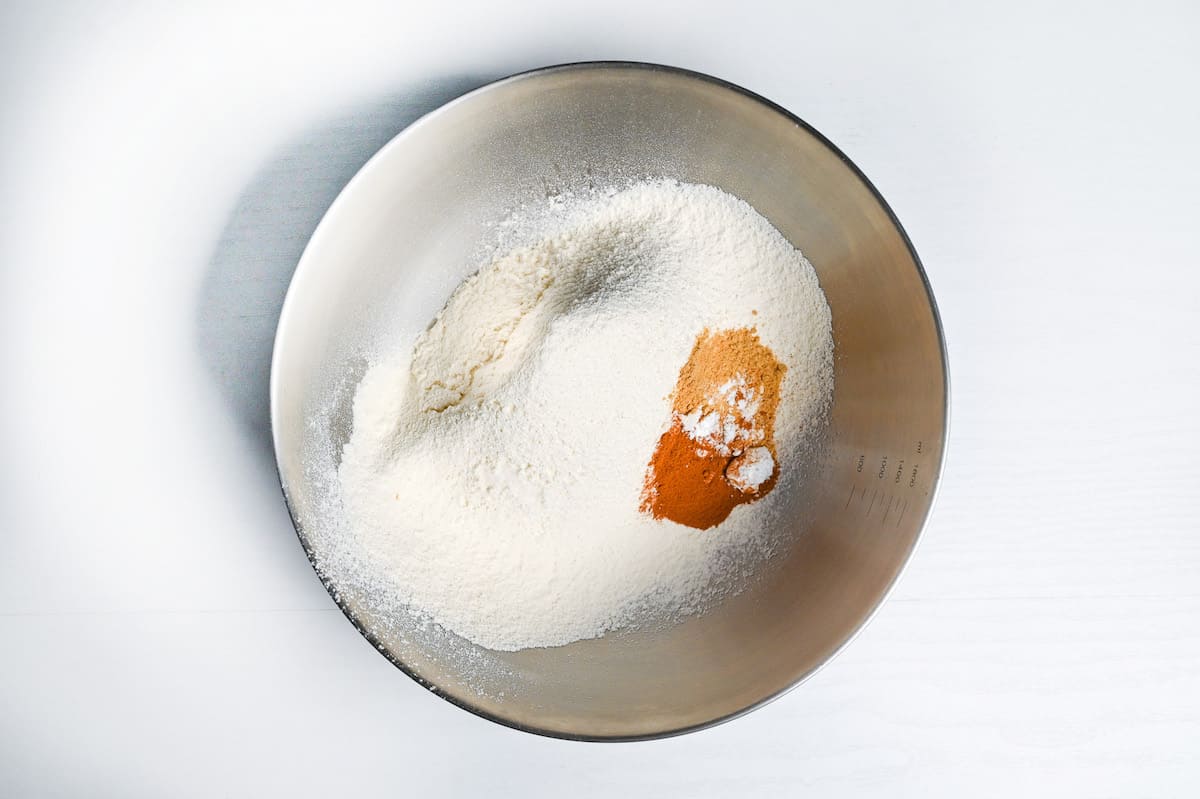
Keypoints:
(160, 170)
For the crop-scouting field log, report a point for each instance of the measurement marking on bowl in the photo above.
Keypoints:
(899, 472)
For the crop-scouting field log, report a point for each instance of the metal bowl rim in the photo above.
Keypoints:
(583, 66)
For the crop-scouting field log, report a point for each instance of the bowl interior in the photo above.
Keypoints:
(410, 227)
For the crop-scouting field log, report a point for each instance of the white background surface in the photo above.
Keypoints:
(161, 633)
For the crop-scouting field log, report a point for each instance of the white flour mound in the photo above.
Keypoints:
(494, 472)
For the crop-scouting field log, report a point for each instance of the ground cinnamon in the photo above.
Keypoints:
(719, 450)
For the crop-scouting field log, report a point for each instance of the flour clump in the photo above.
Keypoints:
(506, 470)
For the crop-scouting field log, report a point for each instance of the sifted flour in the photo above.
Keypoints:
(493, 477)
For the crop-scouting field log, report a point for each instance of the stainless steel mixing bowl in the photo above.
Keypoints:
(410, 226)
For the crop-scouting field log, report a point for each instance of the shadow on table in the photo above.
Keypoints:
(250, 269)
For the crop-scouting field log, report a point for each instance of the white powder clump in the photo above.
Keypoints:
(753, 468)
(492, 480)
(718, 430)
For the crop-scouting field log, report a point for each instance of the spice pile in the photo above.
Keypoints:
(595, 430)
(719, 451)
